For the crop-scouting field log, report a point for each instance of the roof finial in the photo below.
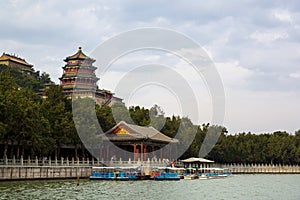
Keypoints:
(79, 48)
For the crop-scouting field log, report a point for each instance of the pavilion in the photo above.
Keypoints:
(199, 163)
(128, 141)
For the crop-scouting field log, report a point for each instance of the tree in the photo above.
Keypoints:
(54, 109)
(86, 124)
(140, 116)
(105, 117)
(121, 113)
(45, 78)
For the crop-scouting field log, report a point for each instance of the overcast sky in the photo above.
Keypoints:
(254, 45)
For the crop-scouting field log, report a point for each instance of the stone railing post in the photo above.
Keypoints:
(28, 161)
(49, 161)
(36, 161)
(139, 161)
(61, 161)
(67, 161)
(55, 161)
(5, 160)
(21, 160)
(14, 160)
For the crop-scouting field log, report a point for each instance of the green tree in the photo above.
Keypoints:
(54, 109)
(105, 117)
(121, 113)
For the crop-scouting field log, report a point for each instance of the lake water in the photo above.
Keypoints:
(237, 187)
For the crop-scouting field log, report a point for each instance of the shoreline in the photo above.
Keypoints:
(32, 173)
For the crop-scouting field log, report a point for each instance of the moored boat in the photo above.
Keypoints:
(103, 173)
(165, 173)
(190, 173)
(112, 173)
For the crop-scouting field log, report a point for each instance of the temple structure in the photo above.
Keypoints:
(128, 141)
(18, 63)
(79, 80)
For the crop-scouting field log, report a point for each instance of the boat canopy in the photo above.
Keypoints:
(193, 159)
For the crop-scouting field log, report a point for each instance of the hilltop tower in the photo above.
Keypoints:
(79, 76)
(79, 79)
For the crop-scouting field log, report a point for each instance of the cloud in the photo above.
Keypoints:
(234, 75)
(295, 75)
(282, 15)
(268, 36)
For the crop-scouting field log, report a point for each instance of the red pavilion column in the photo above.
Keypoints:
(142, 151)
(145, 152)
(134, 152)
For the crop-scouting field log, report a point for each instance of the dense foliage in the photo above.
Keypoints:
(32, 126)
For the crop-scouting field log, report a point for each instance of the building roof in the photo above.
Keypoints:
(8, 57)
(193, 159)
(124, 131)
(78, 55)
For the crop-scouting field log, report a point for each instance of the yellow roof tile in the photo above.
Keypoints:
(78, 55)
(14, 58)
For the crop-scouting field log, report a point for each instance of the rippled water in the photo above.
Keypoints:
(236, 187)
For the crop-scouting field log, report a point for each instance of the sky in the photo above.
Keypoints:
(253, 44)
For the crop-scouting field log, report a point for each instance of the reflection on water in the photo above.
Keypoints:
(237, 187)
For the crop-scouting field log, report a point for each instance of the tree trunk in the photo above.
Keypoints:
(31, 152)
(12, 149)
(55, 153)
(23, 151)
(18, 150)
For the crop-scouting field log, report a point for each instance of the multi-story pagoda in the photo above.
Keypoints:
(79, 79)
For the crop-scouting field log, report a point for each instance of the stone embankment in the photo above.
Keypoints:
(65, 169)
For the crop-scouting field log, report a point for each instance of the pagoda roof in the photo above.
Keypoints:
(13, 58)
(79, 55)
(130, 132)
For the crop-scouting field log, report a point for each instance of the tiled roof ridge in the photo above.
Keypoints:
(15, 58)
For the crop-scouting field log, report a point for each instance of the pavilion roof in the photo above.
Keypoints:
(14, 58)
(135, 132)
(193, 160)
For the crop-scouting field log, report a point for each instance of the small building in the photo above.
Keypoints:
(79, 79)
(18, 63)
(128, 141)
(198, 163)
